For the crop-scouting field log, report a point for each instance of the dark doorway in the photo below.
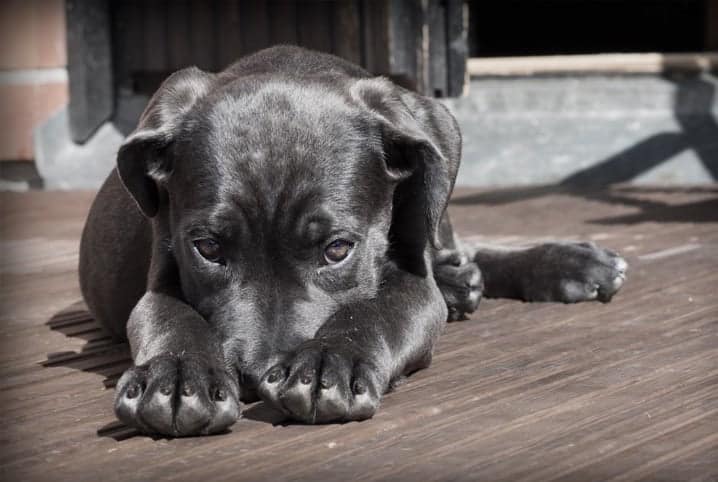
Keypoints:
(561, 27)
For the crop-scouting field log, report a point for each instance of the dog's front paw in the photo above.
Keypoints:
(459, 281)
(177, 395)
(323, 382)
(573, 272)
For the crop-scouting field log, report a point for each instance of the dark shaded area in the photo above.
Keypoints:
(692, 109)
(117, 430)
(100, 354)
(497, 197)
(21, 171)
(632, 162)
(705, 211)
(554, 27)
(261, 412)
(152, 39)
(702, 211)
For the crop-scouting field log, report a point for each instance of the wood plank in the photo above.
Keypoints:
(346, 33)
(621, 391)
(650, 63)
(203, 38)
(179, 25)
(154, 22)
(711, 25)
(438, 72)
(283, 22)
(314, 25)
(128, 42)
(254, 25)
(457, 49)
(406, 44)
(229, 32)
(375, 30)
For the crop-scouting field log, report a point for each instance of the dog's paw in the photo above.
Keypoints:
(460, 283)
(177, 396)
(323, 382)
(573, 272)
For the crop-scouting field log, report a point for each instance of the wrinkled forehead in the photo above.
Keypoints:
(280, 146)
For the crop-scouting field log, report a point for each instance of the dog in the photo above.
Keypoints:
(278, 231)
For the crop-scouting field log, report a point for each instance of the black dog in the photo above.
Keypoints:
(292, 244)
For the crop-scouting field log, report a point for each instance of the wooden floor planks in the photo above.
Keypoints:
(623, 391)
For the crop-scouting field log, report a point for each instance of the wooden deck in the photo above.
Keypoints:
(624, 391)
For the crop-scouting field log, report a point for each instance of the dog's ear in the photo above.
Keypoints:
(422, 150)
(144, 158)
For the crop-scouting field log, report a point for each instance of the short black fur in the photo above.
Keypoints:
(265, 165)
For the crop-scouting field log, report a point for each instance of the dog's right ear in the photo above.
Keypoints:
(144, 158)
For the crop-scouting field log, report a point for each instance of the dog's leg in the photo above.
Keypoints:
(563, 271)
(457, 276)
(342, 373)
(179, 384)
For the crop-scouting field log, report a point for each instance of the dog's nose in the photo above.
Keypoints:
(248, 387)
(248, 379)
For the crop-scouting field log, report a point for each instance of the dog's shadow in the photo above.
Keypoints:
(100, 354)
(108, 357)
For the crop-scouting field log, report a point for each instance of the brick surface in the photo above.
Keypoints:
(22, 107)
(32, 34)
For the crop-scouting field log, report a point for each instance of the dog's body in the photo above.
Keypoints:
(291, 243)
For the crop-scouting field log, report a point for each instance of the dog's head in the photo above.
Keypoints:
(278, 200)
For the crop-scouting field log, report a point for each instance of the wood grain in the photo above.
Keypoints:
(622, 391)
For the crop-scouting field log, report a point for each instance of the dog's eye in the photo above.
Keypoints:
(209, 249)
(337, 250)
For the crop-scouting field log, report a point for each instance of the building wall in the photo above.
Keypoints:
(33, 75)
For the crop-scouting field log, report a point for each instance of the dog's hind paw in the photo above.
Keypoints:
(574, 272)
(460, 283)
(177, 396)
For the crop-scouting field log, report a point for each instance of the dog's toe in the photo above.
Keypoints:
(193, 412)
(131, 387)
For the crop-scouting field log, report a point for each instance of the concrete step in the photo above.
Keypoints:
(646, 129)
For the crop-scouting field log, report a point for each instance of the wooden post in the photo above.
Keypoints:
(89, 58)
(712, 25)
(421, 45)
(346, 35)
(375, 38)
(457, 49)
(437, 49)
(406, 62)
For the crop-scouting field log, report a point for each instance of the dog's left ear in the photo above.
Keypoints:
(144, 160)
(422, 151)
